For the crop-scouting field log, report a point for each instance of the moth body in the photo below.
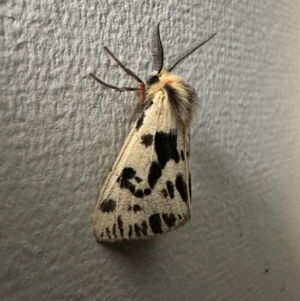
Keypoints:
(148, 191)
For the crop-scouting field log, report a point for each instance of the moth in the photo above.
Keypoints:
(148, 191)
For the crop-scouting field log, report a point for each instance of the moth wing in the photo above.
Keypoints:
(147, 193)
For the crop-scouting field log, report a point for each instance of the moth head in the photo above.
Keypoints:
(153, 79)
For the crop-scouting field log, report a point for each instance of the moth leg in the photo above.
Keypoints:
(120, 89)
(128, 71)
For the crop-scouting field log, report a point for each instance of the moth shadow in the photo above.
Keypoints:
(128, 248)
(134, 253)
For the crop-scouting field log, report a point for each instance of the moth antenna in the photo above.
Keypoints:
(157, 50)
(179, 59)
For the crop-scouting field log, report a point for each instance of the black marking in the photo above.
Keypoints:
(108, 233)
(170, 187)
(127, 174)
(138, 179)
(147, 140)
(102, 234)
(152, 80)
(182, 155)
(140, 121)
(183, 111)
(181, 187)
(137, 208)
(164, 193)
(147, 191)
(130, 231)
(108, 205)
(143, 229)
(139, 193)
(114, 230)
(154, 174)
(155, 223)
(187, 154)
(172, 94)
(169, 219)
(134, 208)
(137, 230)
(149, 104)
(120, 225)
(190, 187)
(179, 216)
(166, 148)
(190, 95)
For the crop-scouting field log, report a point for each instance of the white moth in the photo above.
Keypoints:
(148, 191)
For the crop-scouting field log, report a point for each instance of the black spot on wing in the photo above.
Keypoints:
(140, 121)
(140, 229)
(128, 173)
(181, 187)
(108, 205)
(154, 174)
(166, 148)
(114, 230)
(169, 219)
(137, 208)
(155, 223)
(120, 225)
(108, 233)
(130, 231)
(139, 193)
(138, 179)
(148, 105)
(124, 179)
(164, 193)
(170, 187)
(147, 139)
(147, 191)
(182, 155)
(190, 187)
(137, 230)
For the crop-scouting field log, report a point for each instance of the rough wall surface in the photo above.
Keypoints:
(61, 132)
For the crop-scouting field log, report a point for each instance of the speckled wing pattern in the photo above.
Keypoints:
(147, 193)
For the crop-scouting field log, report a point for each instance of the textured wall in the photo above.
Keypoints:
(61, 132)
